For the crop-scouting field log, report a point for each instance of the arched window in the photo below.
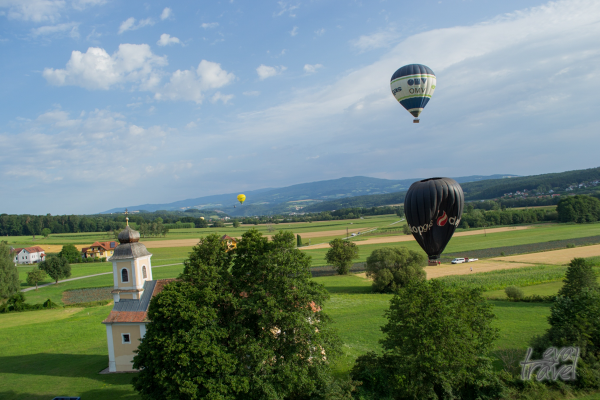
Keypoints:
(144, 275)
(124, 275)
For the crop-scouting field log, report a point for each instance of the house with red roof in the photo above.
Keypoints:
(29, 255)
(99, 249)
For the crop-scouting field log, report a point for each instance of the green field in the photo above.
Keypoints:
(60, 352)
(535, 234)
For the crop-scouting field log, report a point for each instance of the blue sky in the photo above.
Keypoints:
(110, 103)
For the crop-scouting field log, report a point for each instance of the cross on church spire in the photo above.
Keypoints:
(126, 216)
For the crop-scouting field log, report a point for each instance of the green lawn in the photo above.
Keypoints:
(44, 358)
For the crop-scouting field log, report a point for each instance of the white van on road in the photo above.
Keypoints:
(458, 261)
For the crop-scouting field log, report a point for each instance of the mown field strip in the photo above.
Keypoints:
(560, 257)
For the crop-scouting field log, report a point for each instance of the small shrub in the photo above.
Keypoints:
(514, 293)
(103, 259)
(502, 254)
(570, 246)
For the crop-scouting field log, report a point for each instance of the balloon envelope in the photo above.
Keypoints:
(241, 198)
(433, 208)
(413, 85)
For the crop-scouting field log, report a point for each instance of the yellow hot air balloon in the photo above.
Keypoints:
(202, 218)
(241, 198)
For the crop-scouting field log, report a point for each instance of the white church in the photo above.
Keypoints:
(133, 289)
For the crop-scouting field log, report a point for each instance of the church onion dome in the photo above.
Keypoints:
(128, 235)
(130, 246)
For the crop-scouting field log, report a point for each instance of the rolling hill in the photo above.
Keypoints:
(287, 199)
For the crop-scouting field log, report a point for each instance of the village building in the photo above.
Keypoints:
(29, 255)
(229, 241)
(133, 290)
(99, 249)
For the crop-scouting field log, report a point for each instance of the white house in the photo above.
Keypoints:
(29, 255)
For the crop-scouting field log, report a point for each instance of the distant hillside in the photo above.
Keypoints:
(475, 189)
(292, 198)
(493, 188)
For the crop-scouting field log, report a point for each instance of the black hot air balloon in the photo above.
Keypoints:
(433, 208)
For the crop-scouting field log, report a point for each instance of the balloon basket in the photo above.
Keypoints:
(416, 121)
(433, 262)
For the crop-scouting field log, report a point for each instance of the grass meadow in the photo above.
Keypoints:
(59, 352)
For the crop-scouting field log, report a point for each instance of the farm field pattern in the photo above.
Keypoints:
(60, 352)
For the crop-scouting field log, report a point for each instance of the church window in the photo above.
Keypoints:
(144, 275)
(124, 275)
(126, 338)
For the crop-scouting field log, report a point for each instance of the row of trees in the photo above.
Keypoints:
(475, 218)
(580, 208)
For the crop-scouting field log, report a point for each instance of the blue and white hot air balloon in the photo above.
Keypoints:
(413, 86)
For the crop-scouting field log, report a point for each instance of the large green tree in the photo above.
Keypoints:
(70, 253)
(242, 324)
(56, 267)
(436, 345)
(340, 255)
(579, 275)
(9, 276)
(392, 268)
(34, 276)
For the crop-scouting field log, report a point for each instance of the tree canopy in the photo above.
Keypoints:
(9, 276)
(580, 208)
(34, 276)
(70, 253)
(240, 324)
(56, 267)
(392, 268)
(579, 275)
(340, 255)
(435, 346)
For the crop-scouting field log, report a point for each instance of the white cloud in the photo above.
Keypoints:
(375, 40)
(286, 7)
(251, 93)
(320, 32)
(34, 10)
(72, 28)
(191, 125)
(264, 71)
(209, 25)
(83, 4)
(166, 39)
(294, 31)
(190, 84)
(96, 69)
(130, 25)
(166, 13)
(224, 98)
(311, 69)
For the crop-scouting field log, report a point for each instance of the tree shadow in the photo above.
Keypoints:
(62, 365)
(96, 394)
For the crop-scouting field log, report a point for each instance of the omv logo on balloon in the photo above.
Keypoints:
(441, 221)
(398, 89)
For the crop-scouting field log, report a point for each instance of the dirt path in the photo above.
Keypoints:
(465, 269)
(407, 238)
(559, 257)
